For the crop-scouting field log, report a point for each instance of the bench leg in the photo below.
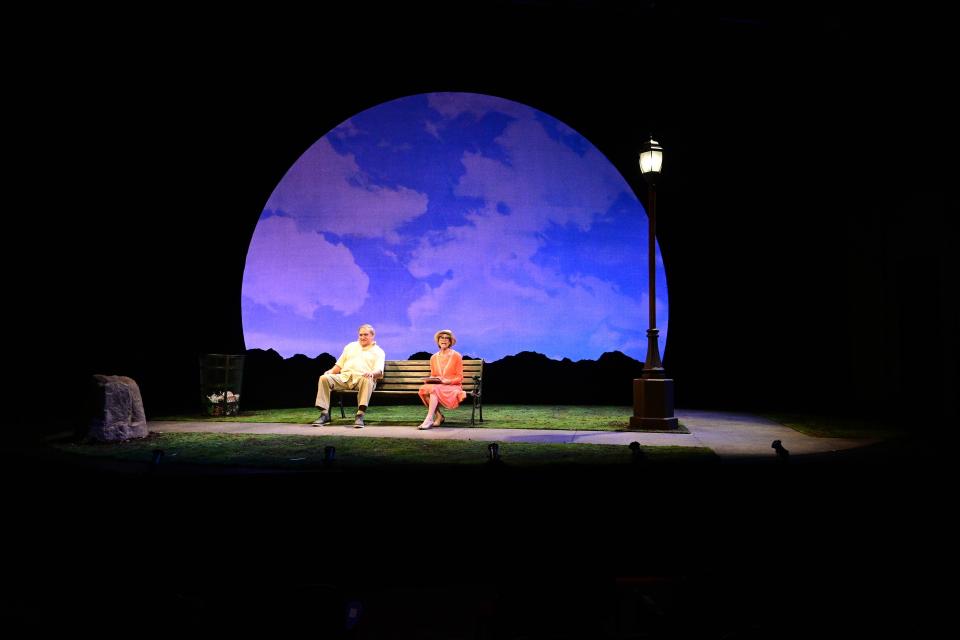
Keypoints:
(477, 408)
(342, 414)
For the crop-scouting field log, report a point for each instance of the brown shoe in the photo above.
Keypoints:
(438, 419)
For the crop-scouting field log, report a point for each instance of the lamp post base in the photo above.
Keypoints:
(653, 404)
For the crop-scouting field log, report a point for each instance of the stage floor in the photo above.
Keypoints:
(729, 435)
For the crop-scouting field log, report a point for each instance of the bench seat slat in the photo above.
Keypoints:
(417, 380)
(406, 388)
(397, 392)
(425, 371)
(397, 364)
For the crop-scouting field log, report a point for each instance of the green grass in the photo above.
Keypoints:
(566, 418)
(306, 452)
(836, 427)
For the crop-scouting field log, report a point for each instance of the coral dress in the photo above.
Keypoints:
(449, 368)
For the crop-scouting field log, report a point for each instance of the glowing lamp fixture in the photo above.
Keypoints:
(651, 160)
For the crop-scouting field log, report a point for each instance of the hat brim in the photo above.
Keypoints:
(436, 337)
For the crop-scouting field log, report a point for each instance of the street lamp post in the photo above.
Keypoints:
(653, 392)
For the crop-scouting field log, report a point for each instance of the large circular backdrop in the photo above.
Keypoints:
(452, 211)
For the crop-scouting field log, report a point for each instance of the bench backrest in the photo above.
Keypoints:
(408, 375)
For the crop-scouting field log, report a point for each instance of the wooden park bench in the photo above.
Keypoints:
(405, 377)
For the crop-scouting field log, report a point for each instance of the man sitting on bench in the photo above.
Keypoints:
(358, 367)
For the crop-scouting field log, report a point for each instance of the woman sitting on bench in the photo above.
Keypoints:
(444, 386)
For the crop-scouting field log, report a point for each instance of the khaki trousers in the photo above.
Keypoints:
(364, 387)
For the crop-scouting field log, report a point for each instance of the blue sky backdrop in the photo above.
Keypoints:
(452, 211)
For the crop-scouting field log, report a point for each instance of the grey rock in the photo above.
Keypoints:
(121, 415)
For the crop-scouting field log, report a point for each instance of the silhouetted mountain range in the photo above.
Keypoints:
(271, 381)
(533, 378)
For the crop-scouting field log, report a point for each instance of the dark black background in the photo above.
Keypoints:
(802, 219)
(802, 215)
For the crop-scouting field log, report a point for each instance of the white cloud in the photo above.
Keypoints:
(604, 336)
(347, 129)
(289, 345)
(451, 105)
(394, 339)
(325, 191)
(522, 301)
(432, 129)
(289, 267)
(543, 182)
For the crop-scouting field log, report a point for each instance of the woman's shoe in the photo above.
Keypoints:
(425, 425)
(438, 420)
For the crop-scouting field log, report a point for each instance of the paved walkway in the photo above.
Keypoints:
(727, 434)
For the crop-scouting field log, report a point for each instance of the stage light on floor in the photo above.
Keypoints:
(329, 454)
(354, 609)
(493, 453)
(639, 457)
(782, 454)
(157, 457)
